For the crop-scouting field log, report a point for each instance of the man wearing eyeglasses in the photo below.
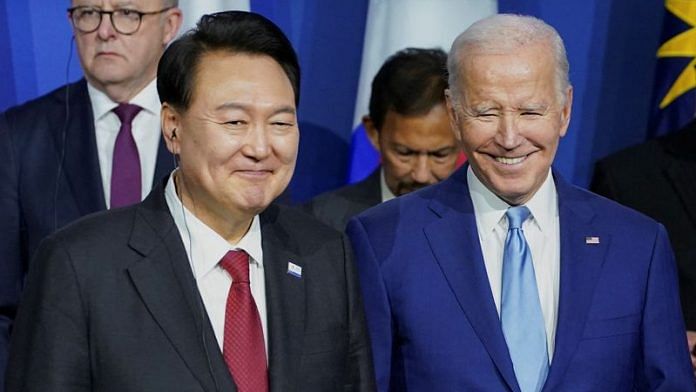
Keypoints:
(87, 146)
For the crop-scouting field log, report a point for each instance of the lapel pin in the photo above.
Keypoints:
(591, 240)
(294, 269)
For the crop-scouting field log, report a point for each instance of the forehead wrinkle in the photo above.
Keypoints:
(100, 4)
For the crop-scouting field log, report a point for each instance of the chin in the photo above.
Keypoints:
(257, 203)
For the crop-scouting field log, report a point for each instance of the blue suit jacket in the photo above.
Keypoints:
(37, 194)
(433, 321)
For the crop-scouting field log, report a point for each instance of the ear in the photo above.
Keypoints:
(372, 132)
(172, 22)
(170, 120)
(566, 110)
(452, 114)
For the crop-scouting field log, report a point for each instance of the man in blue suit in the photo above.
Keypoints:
(505, 277)
(60, 150)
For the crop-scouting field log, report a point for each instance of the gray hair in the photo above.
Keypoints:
(503, 33)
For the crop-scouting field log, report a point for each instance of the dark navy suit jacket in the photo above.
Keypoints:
(111, 304)
(658, 178)
(49, 177)
(433, 322)
(335, 208)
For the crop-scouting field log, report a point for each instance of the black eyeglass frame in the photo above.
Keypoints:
(101, 12)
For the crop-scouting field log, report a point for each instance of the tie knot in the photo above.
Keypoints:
(126, 112)
(236, 263)
(516, 216)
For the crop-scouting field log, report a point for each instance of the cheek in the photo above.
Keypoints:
(286, 148)
(213, 153)
(474, 136)
(397, 167)
(442, 170)
(85, 50)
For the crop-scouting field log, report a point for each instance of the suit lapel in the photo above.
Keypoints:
(166, 285)
(581, 264)
(285, 300)
(81, 162)
(455, 244)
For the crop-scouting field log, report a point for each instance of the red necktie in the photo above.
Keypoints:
(125, 170)
(243, 345)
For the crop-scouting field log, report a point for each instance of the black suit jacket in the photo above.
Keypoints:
(335, 208)
(38, 194)
(658, 178)
(111, 305)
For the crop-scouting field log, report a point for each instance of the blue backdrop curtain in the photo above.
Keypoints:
(611, 45)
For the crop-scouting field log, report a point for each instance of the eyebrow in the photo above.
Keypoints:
(538, 107)
(430, 152)
(239, 106)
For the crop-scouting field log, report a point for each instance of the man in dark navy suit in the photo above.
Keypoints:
(658, 178)
(65, 155)
(206, 285)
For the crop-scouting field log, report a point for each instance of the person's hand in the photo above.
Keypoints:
(691, 338)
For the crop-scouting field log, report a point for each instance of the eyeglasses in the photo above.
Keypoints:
(125, 21)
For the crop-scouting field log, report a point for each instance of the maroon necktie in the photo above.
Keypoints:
(125, 171)
(243, 345)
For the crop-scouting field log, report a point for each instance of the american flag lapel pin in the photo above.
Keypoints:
(591, 240)
(294, 270)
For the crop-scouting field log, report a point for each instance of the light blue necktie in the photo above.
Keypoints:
(520, 313)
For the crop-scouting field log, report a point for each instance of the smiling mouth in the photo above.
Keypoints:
(510, 160)
(254, 173)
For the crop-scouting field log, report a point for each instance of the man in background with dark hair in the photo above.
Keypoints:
(409, 127)
(658, 178)
(87, 146)
(205, 285)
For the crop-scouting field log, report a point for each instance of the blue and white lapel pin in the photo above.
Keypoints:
(592, 240)
(294, 270)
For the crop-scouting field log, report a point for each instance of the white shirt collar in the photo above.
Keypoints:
(204, 246)
(147, 98)
(386, 192)
(489, 209)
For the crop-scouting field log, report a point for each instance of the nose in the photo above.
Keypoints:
(421, 171)
(508, 135)
(106, 28)
(256, 144)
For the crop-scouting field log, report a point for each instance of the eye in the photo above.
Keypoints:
(441, 154)
(128, 12)
(404, 152)
(87, 12)
(531, 113)
(486, 114)
(235, 123)
(282, 124)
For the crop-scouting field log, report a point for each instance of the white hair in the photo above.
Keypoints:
(504, 33)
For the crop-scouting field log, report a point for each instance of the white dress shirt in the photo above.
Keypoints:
(543, 236)
(145, 128)
(386, 192)
(205, 248)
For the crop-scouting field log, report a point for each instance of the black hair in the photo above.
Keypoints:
(411, 82)
(233, 31)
